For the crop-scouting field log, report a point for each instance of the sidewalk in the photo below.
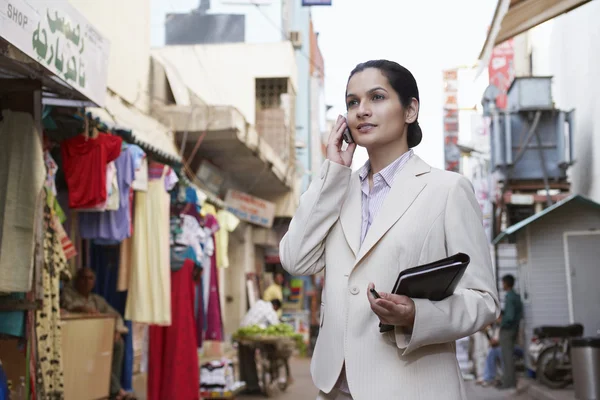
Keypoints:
(537, 391)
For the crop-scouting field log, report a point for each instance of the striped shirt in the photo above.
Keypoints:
(372, 202)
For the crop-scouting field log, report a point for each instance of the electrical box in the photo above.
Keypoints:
(530, 93)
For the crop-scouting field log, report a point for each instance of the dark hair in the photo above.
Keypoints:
(404, 84)
(276, 303)
(509, 280)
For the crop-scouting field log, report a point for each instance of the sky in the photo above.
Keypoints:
(425, 36)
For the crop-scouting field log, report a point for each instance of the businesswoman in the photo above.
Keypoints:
(365, 227)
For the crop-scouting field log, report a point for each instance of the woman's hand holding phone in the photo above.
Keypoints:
(334, 145)
(392, 309)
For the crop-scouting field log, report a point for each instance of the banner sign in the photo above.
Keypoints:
(58, 37)
(451, 150)
(250, 208)
(308, 3)
(501, 70)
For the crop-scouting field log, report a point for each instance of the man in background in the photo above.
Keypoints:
(78, 298)
(509, 331)
(262, 313)
(275, 291)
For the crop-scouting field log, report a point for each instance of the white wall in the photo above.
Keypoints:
(317, 123)
(127, 25)
(225, 74)
(263, 22)
(568, 48)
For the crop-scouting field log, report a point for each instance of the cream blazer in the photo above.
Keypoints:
(429, 214)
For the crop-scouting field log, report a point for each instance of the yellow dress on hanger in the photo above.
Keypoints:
(149, 297)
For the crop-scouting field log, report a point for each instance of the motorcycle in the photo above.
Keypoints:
(550, 353)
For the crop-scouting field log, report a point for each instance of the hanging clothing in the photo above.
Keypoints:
(84, 162)
(13, 322)
(149, 299)
(22, 175)
(48, 329)
(112, 225)
(227, 222)
(124, 265)
(51, 168)
(112, 192)
(185, 231)
(214, 320)
(173, 361)
(104, 261)
(140, 163)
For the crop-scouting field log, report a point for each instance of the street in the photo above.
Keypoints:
(303, 388)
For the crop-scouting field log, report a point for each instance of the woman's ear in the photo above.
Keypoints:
(412, 111)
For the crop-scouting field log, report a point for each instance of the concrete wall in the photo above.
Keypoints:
(567, 48)
(226, 74)
(127, 25)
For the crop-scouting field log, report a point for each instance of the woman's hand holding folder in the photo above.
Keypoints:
(393, 309)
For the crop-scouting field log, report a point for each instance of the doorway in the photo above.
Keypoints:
(583, 275)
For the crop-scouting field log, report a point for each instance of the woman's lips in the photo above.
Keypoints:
(365, 128)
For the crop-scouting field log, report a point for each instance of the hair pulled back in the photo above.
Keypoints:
(404, 84)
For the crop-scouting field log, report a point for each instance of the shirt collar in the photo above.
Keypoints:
(388, 173)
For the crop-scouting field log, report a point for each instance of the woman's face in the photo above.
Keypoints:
(376, 116)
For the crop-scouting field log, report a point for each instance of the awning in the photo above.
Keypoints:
(145, 130)
(518, 226)
(513, 17)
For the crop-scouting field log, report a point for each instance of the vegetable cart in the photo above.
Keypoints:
(272, 360)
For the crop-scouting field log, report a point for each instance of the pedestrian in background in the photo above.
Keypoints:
(509, 331)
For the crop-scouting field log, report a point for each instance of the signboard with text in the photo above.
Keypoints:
(501, 70)
(451, 150)
(57, 36)
(308, 3)
(249, 208)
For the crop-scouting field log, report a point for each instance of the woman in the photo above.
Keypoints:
(366, 227)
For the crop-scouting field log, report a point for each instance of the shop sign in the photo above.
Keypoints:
(451, 150)
(501, 70)
(57, 36)
(249, 208)
(308, 3)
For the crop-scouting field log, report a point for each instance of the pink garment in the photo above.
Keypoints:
(214, 328)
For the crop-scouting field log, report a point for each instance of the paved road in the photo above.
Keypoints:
(303, 388)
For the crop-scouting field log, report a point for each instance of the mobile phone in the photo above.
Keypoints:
(347, 136)
(374, 293)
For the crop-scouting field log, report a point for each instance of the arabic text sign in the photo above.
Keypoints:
(250, 208)
(56, 35)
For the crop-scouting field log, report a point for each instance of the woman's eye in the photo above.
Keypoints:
(377, 97)
(352, 103)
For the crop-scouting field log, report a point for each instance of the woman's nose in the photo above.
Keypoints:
(363, 112)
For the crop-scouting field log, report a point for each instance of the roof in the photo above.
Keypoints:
(145, 129)
(517, 227)
(513, 17)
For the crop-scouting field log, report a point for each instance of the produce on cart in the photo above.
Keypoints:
(275, 345)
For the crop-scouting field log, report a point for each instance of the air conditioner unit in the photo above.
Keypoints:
(296, 39)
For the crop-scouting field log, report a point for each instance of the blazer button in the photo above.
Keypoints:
(354, 290)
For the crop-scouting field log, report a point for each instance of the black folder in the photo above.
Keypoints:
(434, 281)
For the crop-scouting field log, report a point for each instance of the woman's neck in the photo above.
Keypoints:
(383, 156)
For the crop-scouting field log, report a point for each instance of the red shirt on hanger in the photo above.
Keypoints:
(84, 163)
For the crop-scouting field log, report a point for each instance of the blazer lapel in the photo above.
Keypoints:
(404, 191)
(351, 214)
